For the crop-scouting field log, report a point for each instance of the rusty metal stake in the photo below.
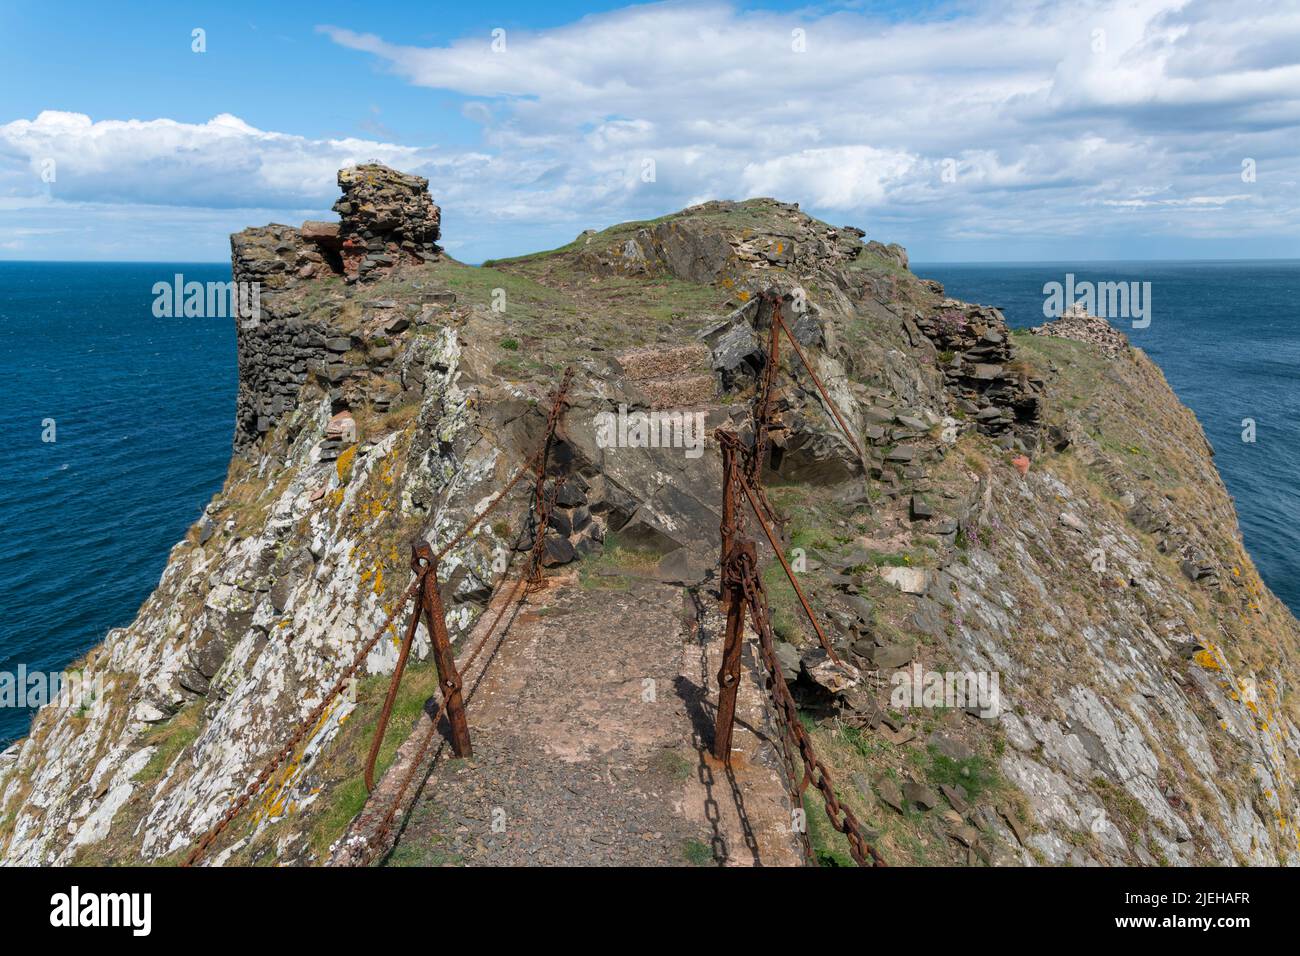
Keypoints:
(727, 527)
(779, 322)
(448, 676)
(422, 571)
(742, 555)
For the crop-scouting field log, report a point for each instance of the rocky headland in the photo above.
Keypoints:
(1035, 507)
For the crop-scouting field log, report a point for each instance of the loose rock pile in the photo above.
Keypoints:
(386, 217)
(277, 257)
(1078, 325)
(975, 355)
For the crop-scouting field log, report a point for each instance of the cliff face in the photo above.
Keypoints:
(1035, 509)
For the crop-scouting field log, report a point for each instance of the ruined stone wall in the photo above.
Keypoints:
(387, 218)
(988, 384)
(275, 348)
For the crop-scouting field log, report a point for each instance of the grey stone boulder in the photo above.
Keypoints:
(890, 794)
(920, 795)
(737, 355)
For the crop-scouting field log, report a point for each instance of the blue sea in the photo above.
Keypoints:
(1227, 336)
(144, 411)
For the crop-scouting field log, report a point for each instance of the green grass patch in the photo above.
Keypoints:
(788, 618)
(829, 846)
(171, 737)
(697, 853)
(866, 744)
(672, 764)
(346, 798)
(976, 774)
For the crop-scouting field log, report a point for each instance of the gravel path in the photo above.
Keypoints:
(590, 731)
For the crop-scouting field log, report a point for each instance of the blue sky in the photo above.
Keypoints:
(968, 131)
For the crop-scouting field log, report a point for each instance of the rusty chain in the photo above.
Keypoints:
(559, 400)
(542, 503)
(743, 569)
(542, 522)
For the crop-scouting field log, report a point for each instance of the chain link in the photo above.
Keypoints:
(841, 816)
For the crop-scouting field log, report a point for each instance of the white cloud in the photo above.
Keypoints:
(224, 162)
(1202, 202)
(1058, 120)
(835, 177)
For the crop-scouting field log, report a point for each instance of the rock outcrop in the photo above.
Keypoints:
(1078, 325)
(1035, 509)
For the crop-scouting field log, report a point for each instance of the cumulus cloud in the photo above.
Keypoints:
(833, 177)
(1016, 119)
(224, 162)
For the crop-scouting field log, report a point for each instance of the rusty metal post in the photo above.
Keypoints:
(448, 677)
(733, 597)
(727, 527)
(729, 672)
(393, 683)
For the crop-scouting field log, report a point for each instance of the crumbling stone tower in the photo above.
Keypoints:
(385, 216)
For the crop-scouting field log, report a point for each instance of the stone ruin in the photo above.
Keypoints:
(1001, 395)
(1075, 323)
(385, 218)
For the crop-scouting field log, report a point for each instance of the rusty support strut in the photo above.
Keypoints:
(448, 677)
(428, 603)
(733, 597)
(778, 322)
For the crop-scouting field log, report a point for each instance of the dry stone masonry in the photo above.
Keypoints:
(1001, 395)
(386, 217)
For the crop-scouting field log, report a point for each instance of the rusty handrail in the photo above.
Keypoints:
(417, 587)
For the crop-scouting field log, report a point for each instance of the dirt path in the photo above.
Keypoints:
(590, 728)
